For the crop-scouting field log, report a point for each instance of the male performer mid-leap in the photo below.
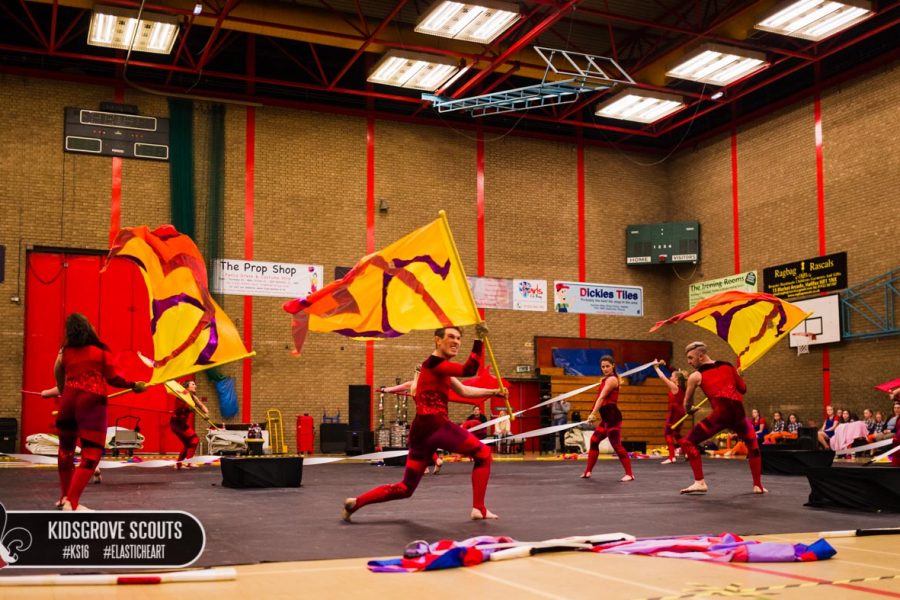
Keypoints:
(724, 387)
(432, 429)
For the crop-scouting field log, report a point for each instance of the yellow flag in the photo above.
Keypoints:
(751, 322)
(415, 283)
(190, 331)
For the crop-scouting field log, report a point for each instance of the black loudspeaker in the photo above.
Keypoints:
(360, 442)
(640, 447)
(360, 407)
(262, 472)
(8, 429)
(332, 438)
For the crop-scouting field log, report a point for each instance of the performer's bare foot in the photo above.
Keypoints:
(60, 503)
(759, 490)
(698, 487)
(437, 466)
(627, 478)
(178, 466)
(347, 509)
(98, 478)
(477, 515)
(668, 461)
(586, 475)
(67, 507)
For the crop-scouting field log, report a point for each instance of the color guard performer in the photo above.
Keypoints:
(724, 387)
(676, 383)
(610, 421)
(180, 425)
(432, 429)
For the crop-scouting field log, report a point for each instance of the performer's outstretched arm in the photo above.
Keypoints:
(468, 391)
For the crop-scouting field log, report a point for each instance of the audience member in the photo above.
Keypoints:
(877, 427)
(759, 424)
(826, 432)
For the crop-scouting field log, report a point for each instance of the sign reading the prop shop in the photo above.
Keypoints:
(807, 277)
(598, 299)
(257, 278)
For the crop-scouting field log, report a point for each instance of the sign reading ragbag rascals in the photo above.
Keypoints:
(807, 277)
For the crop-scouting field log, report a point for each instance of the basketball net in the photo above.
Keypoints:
(805, 338)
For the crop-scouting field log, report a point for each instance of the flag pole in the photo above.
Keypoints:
(474, 307)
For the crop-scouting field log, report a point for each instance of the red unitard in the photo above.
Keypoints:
(610, 427)
(180, 425)
(674, 414)
(82, 414)
(724, 387)
(432, 429)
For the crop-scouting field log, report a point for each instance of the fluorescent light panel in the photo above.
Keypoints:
(716, 64)
(415, 70)
(814, 19)
(640, 106)
(479, 22)
(114, 27)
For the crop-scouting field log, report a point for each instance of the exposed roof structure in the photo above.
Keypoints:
(317, 54)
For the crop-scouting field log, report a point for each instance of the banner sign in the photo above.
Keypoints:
(257, 278)
(110, 539)
(598, 299)
(491, 293)
(807, 277)
(530, 294)
(742, 282)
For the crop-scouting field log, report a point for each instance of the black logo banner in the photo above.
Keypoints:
(807, 277)
(109, 539)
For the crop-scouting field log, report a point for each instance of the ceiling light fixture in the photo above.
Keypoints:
(814, 19)
(114, 27)
(640, 106)
(479, 22)
(414, 70)
(716, 64)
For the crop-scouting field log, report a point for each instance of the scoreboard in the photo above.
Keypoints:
(661, 243)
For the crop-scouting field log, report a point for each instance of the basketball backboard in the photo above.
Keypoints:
(824, 323)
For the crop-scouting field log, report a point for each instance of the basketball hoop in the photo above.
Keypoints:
(803, 343)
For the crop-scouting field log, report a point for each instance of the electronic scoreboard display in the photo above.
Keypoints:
(662, 243)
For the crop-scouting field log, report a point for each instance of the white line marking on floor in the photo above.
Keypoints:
(602, 576)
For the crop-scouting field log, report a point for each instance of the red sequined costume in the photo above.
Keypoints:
(82, 414)
(674, 414)
(432, 429)
(180, 425)
(724, 387)
(610, 427)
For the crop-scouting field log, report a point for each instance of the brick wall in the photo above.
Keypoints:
(310, 207)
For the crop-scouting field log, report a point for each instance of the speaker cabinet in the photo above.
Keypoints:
(360, 408)
(360, 442)
(332, 438)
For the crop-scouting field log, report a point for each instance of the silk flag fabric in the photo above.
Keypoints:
(889, 386)
(751, 322)
(415, 283)
(190, 331)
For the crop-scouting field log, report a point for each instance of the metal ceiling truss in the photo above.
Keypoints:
(321, 57)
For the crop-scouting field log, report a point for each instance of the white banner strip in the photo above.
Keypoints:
(886, 454)
(543, 431)
(871, 446)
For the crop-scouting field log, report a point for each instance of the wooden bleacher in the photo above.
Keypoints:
(643, 406)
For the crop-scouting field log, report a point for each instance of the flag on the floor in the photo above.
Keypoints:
(190, 331)
(444, 554)
(751, 322)
(415, 283)
(726, 547)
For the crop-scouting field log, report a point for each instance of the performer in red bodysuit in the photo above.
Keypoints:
(83, 368)
(724, 387)
(432, 429)
(676, 384)
(610, 421)
(409, 387)
(180, 425)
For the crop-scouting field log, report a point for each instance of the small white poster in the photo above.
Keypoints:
(742, 282)
(530, 294)
(258, 278)
(491, 292)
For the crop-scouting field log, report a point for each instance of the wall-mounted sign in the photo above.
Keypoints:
(490, 292)
(807, 277)
(257, 278)
(598, 298)
(529, 294)
(743, 282)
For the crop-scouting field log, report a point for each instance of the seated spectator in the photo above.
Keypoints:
(826, 432)
(878, 425)
(848, 416)
(868, 419)
(502, 428)
(793, 426)
(778, 429)
(476, 418)
(759, 425)
(890, 428)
